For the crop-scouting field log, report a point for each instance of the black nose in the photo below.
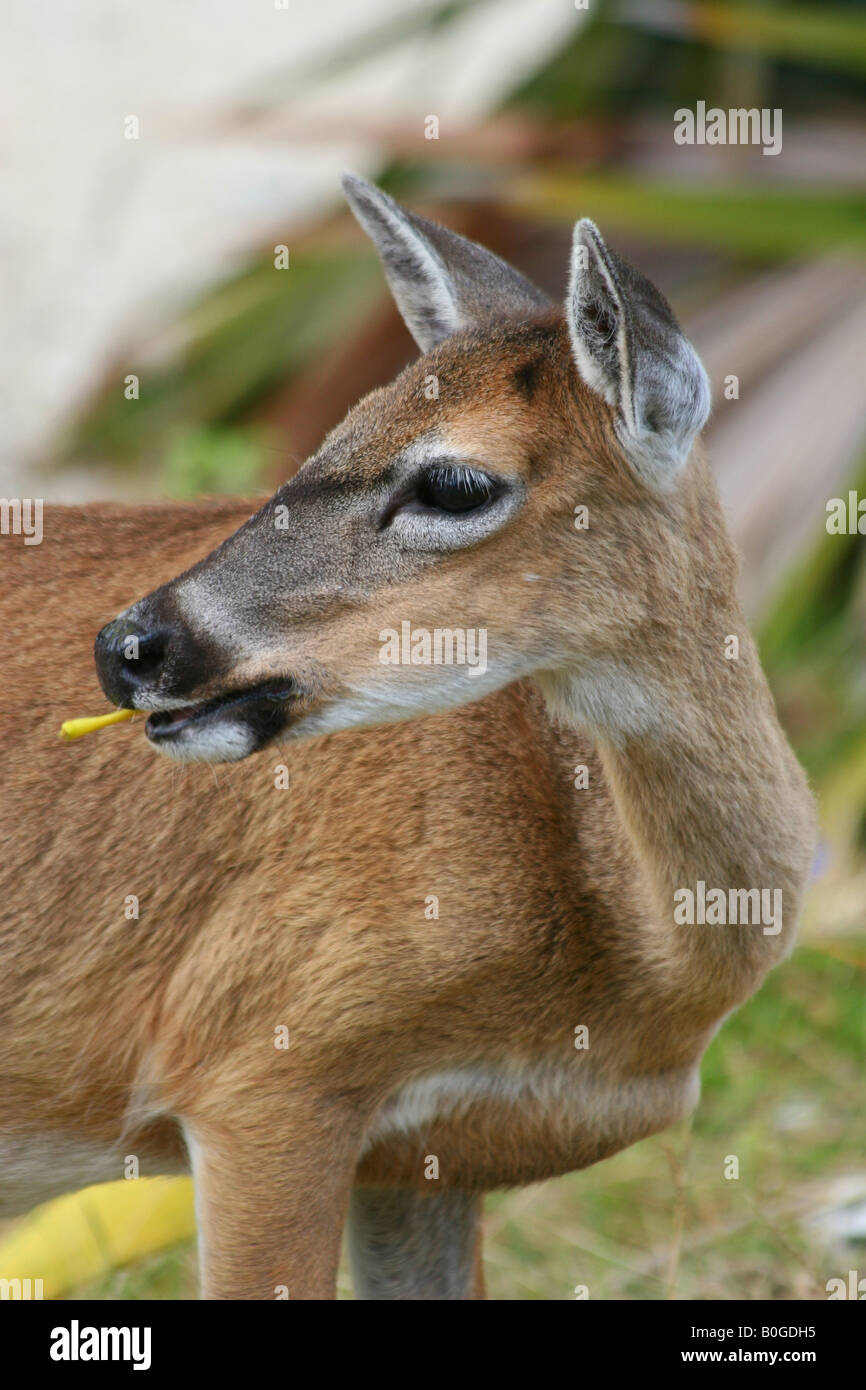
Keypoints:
(127, 657)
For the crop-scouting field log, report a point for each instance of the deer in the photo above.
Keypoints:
(422, 937)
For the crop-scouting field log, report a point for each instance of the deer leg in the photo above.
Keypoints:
(409, 1245)
(271, 1205)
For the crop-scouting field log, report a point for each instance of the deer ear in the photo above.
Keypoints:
(630, 349)
(442, 282)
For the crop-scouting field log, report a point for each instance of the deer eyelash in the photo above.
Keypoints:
(460, 475)
(476, 488)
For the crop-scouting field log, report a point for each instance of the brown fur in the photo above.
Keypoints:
(306, 907)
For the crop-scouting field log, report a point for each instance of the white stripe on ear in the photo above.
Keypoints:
(442, 282)
(629, 348)
(418, 279)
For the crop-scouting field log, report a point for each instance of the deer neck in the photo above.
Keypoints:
(711, 799)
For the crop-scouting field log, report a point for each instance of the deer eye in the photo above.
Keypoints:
(448, 505)
(454, 489)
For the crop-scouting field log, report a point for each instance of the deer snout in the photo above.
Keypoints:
(129, 656)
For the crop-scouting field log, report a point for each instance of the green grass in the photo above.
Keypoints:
(172, 1274)
(782, 1092)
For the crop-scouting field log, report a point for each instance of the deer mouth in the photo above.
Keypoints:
(226, 727)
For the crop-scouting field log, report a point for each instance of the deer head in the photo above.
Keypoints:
(526, 484)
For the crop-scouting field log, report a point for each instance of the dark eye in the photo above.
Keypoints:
(453, 489)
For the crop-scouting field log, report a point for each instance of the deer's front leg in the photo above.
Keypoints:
(272, 1190)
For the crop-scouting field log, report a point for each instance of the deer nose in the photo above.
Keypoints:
(128, 656)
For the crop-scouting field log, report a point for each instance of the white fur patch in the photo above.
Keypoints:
(606, 701)
(408, 693)
(222, 741)
(196, 1163)
(573, 1093)
(579, 295)
(662, 399)
(419, 281)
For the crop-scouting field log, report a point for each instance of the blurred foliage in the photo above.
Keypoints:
(648, 55)
(253, 335)
(344, 57)
(242, 340)
(813, 646)
(86, 1236)
(823, 35)
(215, 461)
(761, 224)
